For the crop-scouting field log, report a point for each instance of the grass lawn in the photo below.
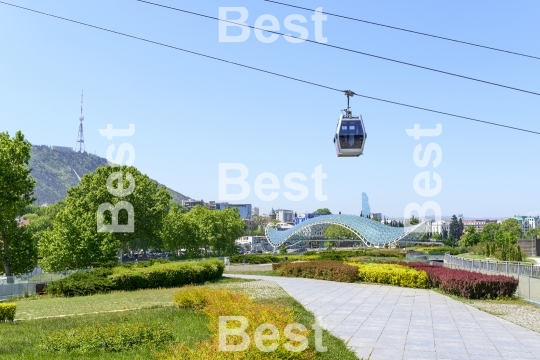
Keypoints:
(44, 306)
(21, 339)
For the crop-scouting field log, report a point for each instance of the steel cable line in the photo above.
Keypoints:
(266, 71)
(406, 30)
(344, 49)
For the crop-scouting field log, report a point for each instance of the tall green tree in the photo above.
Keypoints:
(455, 228)
(414, 221)
(79, 240)
(323, 211)
(471, 237)
(17, 249)
(513, 226)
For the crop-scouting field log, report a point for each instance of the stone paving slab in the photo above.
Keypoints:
(386, 322)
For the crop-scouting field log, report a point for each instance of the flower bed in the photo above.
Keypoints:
(323, 270)
(468, 284)
(393, 274)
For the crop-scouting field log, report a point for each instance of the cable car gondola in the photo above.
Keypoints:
(350, 134)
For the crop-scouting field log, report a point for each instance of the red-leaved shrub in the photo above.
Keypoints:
(468, 284)
(323, 270)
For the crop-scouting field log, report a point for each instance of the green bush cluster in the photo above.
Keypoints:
(113, 337)
(319, 255)
(321, 269)
(393, 274)
(376, 260)
(7, 311)
(135, 277)
(167, 275)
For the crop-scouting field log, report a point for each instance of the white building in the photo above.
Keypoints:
(437, 227)
(528, 222)
(284, 215)
(255, 211)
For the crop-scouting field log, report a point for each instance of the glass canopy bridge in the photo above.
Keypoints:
(369, 232)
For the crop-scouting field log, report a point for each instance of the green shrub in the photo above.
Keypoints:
(113, 337)
(255, 259)
(393, 274)
(376, 260)
(7, 311)
(323, 270)
(167, 275)
(158, 275)
(82, 283)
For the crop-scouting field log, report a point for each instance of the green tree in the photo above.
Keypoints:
(455, 228)
(45, 219)
(283, 249)
(436, 236)
(179, 231)
(229, 226)
(488, 232)
(533, 233)
(444, 234)
(323, 211)
(17, 250)
(512, 226)
(471, 237)
(414, 221)
(76, 241)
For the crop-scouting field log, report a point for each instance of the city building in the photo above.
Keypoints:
(244, 209)
(437, 227)
(300, 218)
(190, 204)
(272, 215)
(284, 215)
(366, 210)
(255, 211)
(528, 222)
(377, 215)
(254, 244)
(478, 224)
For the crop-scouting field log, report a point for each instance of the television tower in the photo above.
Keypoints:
(79, 145)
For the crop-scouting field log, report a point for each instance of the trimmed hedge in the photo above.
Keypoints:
(323, 270)
(468, 284)
(137, 277)
(393, 274)
(7, 311)
(167, 275)
(113, 337)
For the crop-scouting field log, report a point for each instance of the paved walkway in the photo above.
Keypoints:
(391, 323)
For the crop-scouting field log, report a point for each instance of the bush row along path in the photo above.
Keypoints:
(386, 322)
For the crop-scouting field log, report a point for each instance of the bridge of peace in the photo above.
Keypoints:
(369, 233)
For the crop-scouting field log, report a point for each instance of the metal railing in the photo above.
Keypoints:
(499, 267)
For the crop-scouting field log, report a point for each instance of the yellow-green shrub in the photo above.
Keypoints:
(393, 274)
(7, 311)
(113, 337)
(215, 303)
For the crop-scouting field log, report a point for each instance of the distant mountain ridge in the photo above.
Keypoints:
(56, 169)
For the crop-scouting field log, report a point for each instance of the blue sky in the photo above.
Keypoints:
(191, 113)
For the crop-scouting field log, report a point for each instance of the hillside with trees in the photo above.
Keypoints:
(56, 171)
